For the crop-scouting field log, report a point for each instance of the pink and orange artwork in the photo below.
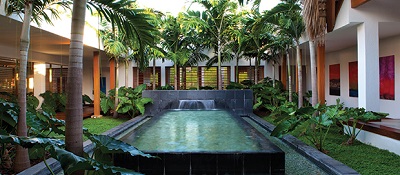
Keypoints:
(386, 77)
(353, 79)
(334, 79)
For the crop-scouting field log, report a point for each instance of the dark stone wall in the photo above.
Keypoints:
(239, 101)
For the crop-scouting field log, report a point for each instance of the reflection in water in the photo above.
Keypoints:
(194, 131)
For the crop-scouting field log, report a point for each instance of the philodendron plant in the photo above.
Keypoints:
(98, 163)
(313, 122)
(131, 100)
(352, 117)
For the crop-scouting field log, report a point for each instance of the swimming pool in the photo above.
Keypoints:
(201, 142)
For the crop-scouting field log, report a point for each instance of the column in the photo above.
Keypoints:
(368, 66)
(39, 77)
(233, 73)
(96, 84)
(112, 73)
(163, 75)
(321, 73)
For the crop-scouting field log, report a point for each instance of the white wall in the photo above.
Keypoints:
(387, 47)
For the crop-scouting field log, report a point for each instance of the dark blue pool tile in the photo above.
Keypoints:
(248, 94)
(239, 94)
(230, 94)
(177, 163)
(203, 163)
(183, 95)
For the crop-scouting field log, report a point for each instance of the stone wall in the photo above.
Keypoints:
(239, 101)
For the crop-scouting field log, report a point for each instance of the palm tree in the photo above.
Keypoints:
(116, 50)
(287, 16)
(239, 33)
(74, 124)
(129, 21)
(196, 40)
(38, 12)
(173, 41)
(315, 23)
(217, 19)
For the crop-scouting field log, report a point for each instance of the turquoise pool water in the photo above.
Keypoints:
(195, 131)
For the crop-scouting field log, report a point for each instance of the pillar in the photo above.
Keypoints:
(368, 66)
(233, 73)
(39, 83)
(163, 75)
(321, 73)
(96, 84)
(112, 73)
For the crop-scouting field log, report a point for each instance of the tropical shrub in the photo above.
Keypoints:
(234, 85)
(98, 163)
(166, 87)
(268, 96)
(352, 116)
(53, 102)
(313, 122)
(107, 102)
(86, 99)
(131, 100)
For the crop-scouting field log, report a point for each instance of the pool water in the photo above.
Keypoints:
(194, 131)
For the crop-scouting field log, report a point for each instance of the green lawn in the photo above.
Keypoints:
(103, 124)
(97, 125)
(365, 159)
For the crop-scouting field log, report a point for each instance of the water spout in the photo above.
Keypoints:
(197, 104)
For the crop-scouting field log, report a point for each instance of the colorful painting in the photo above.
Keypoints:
(353, 79)
(386, 77)
(334, 79)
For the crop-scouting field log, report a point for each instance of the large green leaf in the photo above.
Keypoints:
(29, 142)
(108, 144)
(34, 122)
(69, 161)
(140, 88)
(141, 102)
(281, 129)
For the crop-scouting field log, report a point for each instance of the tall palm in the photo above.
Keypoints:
(217, 19)
(38, 11)
(116, 49)
(173, 41)
(287, 16)
(315, 23)
(196, 40)
(239, 33)
(127, 20)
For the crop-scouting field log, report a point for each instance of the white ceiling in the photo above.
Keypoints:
(41, 40)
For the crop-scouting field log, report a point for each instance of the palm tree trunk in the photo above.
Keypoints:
(300, 76)
(154, 74)
(73, 122)
(184, 77)
(219, 62)
(273, 73)
(115, 114)
(314, 93)
(237, 70)
(176, 76)
(256, 70)
(198, 77)
(126, 73)
(22, 158)
(289, 76)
